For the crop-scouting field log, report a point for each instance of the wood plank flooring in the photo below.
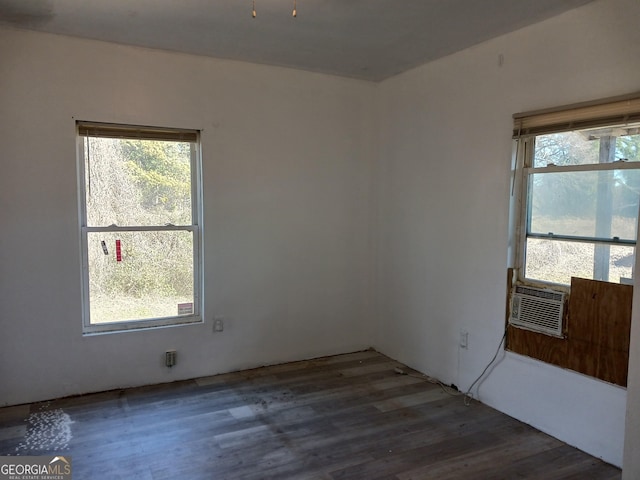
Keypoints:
(335, 418)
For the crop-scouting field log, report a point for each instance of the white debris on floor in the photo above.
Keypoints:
(46, 430)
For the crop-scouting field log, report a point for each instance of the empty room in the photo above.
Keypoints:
(319, 239)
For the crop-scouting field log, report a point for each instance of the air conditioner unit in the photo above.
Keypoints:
(537, 309)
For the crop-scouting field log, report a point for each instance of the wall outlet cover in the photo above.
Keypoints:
(218, 325)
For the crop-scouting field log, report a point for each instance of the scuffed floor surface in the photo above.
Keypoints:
(335, 418)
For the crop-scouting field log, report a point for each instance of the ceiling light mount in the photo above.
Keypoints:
(294, 13)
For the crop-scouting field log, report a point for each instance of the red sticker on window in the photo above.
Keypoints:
(118, 251)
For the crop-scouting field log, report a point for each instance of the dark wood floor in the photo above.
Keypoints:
(336, 418)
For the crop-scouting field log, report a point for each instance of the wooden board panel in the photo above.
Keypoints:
(597, 328)
(600, 313)
(537, 345)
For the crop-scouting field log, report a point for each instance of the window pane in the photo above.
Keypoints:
(581, 148)
(628, 147)
(556, 261)
(587, 204)
(151, 276)
(137, 182)
(569, 148)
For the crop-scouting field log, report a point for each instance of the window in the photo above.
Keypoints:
(140, 228)
(580, 190)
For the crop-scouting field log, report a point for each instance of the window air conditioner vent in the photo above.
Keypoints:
(537, 309)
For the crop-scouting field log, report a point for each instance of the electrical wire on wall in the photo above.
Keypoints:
(451, 390)
(468, 396)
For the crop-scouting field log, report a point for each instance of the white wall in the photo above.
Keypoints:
(290, 215)
(287, 179)
(444, 188)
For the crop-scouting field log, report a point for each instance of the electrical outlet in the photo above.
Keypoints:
(464, 339)
(170, 358)
(218, 324)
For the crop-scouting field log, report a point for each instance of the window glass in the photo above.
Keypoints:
(140, 275)
(137, 182)
(557, 261)
(583, 147)
(140, 232)
(569, 148)
(586, 205)
(600, 204)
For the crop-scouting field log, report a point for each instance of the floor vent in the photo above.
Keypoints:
(537, 309)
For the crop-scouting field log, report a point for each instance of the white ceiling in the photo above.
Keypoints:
(366, 39)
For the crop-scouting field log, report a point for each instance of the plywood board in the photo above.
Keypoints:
(597, 328)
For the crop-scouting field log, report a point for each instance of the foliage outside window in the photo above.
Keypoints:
(139, 226)
(580, 210)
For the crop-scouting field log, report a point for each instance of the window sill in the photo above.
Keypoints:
(141, 325)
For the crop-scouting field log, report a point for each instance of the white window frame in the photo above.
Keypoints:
(143, 133)
(622, 111)
(525, 158)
